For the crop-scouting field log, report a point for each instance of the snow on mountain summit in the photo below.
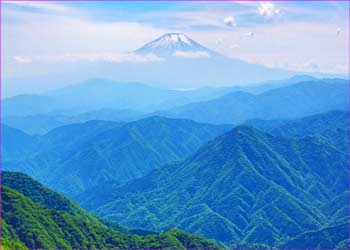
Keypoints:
(175, 44)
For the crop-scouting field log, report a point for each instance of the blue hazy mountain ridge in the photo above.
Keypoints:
(307, 125)
(91, 95)
(100, 99)
(108, 93)
(16, 144)
(34, 124)
(76, 157)
(333, 126)
(42, 123)
(28, 104)
(293, 101)
(245, 186)
(95, 94)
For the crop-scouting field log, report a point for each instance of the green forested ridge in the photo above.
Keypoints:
(323, 238)
(50, 199)
(30, 224)
(314, 124)
(331, 126)
(40, 194)
(244, 187)
(74, 158)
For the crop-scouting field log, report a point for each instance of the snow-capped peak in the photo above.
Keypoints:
(171, 43)
(176, 37)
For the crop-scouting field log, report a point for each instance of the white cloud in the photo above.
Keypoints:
(52, 7)
(287, 45)
(268, 10)
(22, 59)
(189, 54)
(90, 57)
(310, 65)
(234, 46)
(230, 21)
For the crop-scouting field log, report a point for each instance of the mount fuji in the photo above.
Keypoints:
(185, 63)
(177, 45)
(174, 61)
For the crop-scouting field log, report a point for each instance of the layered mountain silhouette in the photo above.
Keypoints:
(251, 161)
(95, 94)
(15, 143)
(100, 99)
(76, 157)
(34, 217)
(244, 187)
(326, 124)
(293, 101)
(280, 185)
(40, 124)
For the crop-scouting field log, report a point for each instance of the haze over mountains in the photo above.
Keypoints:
(172, 60)
(110, 94)
(257, 165)
(293, 101)
(184, 62)
(100, 99)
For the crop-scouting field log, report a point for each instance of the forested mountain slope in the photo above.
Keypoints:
(44, 219)
(245, 186)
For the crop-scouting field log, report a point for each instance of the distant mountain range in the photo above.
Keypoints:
(42, 123)
(113, 101)
(293, 101)
(96, 94)
(35, 217)
(246, 186)
(74, 157)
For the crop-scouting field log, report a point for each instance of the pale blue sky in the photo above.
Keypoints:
(303, 36)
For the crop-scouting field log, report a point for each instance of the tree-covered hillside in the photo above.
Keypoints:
(76, 157)
(43, 219)
(315, 124)
(244, 187)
